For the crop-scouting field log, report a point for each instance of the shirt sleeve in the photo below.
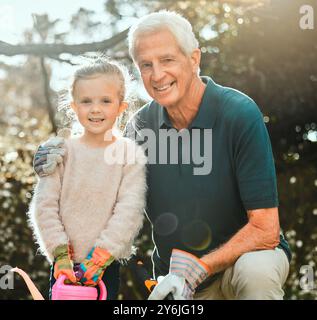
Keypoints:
(254, 165)
(129, 131)
(128, 214)
(44, 216)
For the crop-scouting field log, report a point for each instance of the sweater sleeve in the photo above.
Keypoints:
(128, 214)
(44, 216)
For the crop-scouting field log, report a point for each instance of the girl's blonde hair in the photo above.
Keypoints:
(94, 65)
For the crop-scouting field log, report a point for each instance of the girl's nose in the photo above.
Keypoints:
(95, 107)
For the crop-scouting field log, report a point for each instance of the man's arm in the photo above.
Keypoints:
(260, 233)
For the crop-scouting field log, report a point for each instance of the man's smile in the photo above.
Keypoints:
(164, 87)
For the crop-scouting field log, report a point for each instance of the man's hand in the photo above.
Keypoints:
(48, 156)
(185, 274)
(173, 284)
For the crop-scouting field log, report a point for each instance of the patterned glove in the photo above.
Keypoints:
(63, 262)
(91, 270)
(185, 274)
(50, 154)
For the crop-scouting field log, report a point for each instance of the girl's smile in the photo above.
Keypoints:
(97, 105)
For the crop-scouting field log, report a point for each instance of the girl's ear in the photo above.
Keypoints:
(73, 106)
(123, 106)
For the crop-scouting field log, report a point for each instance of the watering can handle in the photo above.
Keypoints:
(103, 290)
(102, 287)
(61, 279)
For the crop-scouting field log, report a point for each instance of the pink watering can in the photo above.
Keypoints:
(61, 291)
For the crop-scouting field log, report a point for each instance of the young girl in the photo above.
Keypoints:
(89, 211)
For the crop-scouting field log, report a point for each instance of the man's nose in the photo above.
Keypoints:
(158, 73)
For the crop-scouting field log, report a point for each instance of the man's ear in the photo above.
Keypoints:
(123, 106)
(195, 59)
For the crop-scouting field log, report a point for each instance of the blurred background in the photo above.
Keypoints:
(255, 46)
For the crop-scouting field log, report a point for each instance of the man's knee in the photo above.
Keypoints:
(259, 275)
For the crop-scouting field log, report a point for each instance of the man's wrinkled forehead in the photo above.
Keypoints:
(158, 45)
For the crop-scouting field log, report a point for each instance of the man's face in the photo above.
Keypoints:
(166, 72)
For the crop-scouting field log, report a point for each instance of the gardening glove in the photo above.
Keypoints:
(91, 270)
(186, 272)
(50, 154)
(63, 262)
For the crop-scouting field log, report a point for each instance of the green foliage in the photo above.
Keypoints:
(25, 126)
(259, 50)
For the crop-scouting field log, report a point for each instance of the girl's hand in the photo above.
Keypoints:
(91, 270)
(63, 263)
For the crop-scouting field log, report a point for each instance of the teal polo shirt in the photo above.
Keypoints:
(199, 212)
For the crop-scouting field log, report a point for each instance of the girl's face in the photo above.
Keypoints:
(96, 101)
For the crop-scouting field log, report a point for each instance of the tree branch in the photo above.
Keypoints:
(61, 60)
(57, 49)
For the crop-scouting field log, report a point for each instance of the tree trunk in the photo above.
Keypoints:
(46, 87)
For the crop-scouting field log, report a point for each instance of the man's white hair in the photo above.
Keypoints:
(180, 28)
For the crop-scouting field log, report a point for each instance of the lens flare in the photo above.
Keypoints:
(165, 224)
(196, 235)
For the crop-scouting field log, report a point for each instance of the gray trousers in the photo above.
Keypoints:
(258, 275)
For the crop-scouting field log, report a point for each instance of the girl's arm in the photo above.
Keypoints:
(128, 214)
(44, 215)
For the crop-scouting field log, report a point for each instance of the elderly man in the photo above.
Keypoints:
(216, 231)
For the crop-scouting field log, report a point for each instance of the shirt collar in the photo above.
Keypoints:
(207, 111)
(164, 120)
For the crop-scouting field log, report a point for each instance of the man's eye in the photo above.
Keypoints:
(145, 65)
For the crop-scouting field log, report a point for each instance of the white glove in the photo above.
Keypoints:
(185, 274)
(171, 284)
(50, 154)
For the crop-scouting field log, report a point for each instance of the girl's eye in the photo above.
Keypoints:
(106, 101)
(85, 101)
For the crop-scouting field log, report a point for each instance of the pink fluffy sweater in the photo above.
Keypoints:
(91, 202)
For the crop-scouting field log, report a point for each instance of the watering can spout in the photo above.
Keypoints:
(34, 291)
